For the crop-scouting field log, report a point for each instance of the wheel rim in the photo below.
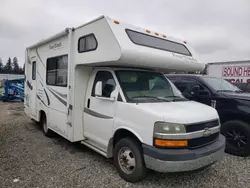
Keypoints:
(45, 127)
(126, 160)
(237, 139)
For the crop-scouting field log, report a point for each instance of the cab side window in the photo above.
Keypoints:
(108, 83)
(186, 86)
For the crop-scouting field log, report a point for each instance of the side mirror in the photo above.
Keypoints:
(195, 91)
(114, 94)
(98, 89)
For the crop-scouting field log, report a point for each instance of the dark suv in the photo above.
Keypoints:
(232, 104)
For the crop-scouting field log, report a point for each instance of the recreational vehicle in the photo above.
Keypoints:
(102, 84)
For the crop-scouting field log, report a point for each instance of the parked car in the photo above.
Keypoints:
(232, 104)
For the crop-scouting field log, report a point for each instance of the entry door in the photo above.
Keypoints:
(99, 111)
(30, 88)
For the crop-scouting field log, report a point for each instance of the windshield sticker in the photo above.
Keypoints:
(213, 103)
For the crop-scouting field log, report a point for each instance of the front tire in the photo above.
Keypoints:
(46, 131)
(237, 135)
(129, 161)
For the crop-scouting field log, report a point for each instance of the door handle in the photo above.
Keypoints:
(88, 103)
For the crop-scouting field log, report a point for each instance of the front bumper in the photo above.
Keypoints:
(179, 160)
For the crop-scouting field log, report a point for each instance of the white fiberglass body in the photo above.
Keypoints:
(100, 81)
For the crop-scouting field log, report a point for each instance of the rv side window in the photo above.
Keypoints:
(156, 42)
(108, 83)
(33, 70)
(57, 71)
(87, 43)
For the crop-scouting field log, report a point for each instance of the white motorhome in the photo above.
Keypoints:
(100, 84)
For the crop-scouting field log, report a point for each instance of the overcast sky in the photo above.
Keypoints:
(219, 30)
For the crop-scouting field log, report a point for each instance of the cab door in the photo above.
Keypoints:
(193, 90)
(99, 111)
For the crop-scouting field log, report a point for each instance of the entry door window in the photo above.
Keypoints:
(33, 70)
(108, 83)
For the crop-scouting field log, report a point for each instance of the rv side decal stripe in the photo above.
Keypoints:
(29, 85)
(41, 82)
(96, 114)
(39, 58)
(61, 94)
(41, 100)
(45, 93)
(61, 100)
(40, 77)
(46, 96)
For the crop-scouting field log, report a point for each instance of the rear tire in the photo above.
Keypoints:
(237, 135)
(129, 161)
(46, 131)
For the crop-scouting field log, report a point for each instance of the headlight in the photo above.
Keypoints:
(168, 128)
(162, 131)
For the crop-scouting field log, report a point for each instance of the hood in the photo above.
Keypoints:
(237, 95)
(184, 112)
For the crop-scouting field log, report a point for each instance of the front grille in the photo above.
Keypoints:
(201, 126)
(202, 141)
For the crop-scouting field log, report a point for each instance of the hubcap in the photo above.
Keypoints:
(237, 139)
(126, 160)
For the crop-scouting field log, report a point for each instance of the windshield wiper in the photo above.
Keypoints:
(225, 90)
(152, 97)
(176, 97)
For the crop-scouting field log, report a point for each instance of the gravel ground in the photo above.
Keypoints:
(29, 159)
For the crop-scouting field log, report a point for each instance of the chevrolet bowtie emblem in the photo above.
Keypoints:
(207, 132)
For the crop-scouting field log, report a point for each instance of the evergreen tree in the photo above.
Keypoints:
(1, 66)
(7, 67)
(23, 70)
(15, 66)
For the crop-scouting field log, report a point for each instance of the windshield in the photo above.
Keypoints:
(145, 86)
(220, 84)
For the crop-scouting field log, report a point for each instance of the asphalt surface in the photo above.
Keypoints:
(29, 159)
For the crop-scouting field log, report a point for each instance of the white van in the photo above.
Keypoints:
(101, 84)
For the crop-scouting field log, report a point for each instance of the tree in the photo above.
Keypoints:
(23, 70)
(7, 67)
(1, 66)
(15, 66)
